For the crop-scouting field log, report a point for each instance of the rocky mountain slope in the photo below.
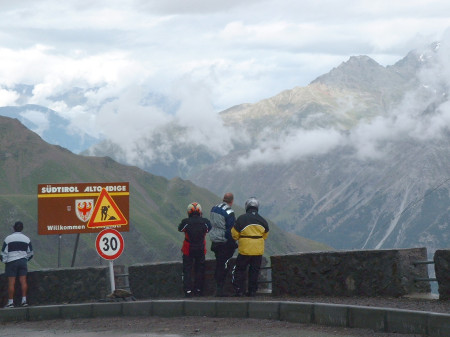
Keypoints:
(400, 201)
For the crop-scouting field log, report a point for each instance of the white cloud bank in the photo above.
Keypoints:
(144, 65)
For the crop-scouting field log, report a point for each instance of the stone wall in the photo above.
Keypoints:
(350, 273)
(442, 269)
(155, 280)
(341, 273)
(62, 285)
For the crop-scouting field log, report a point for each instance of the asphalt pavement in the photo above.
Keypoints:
(178, 327)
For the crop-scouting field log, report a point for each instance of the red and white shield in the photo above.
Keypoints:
(84, 208)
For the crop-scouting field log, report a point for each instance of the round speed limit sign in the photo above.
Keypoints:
(109, 244)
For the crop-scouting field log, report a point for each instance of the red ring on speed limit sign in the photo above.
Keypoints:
(109, 244)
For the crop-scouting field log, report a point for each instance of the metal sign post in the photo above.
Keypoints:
(109, 245)
(75, 250)
(111, 275)
(59, 250)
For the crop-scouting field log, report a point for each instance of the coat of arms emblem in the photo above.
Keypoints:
(84, 208)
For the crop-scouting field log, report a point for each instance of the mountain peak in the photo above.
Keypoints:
(360, 59)
(362, 73)
(356, 73)
(416, 59)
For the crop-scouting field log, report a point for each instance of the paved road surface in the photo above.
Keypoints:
(178, 327)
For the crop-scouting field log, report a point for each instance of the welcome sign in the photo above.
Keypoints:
(83, 207)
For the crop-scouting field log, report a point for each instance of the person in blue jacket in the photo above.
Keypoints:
(222, 244)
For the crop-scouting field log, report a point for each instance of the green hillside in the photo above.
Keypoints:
(156, 204)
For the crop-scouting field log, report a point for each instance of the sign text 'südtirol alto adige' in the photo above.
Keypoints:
(83, 207)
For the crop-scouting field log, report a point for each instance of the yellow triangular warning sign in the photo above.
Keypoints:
(106, 213)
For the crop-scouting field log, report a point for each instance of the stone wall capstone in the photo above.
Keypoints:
(442, 269)
(62, 285)
(350, 273)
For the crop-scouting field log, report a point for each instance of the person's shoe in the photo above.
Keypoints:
(188, 293)
(10, 305)
(198, 292)
(24, 304)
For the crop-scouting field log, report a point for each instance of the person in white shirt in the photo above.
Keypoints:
(16, 252)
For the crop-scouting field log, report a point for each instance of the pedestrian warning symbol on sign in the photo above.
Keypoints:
(106, 213)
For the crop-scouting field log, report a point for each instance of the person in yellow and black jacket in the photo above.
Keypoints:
(251, 231)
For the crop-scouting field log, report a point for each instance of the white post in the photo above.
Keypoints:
(59, 250)
(111, 275)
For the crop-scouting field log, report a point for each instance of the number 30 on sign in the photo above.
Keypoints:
(109, 244)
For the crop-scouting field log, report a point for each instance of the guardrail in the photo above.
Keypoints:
(424, 279)
(423, 262)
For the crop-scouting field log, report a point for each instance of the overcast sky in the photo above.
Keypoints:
(202, 53)
(243, 51)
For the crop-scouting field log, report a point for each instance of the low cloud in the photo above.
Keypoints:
(154, 134)
(424, 114)
(292, 146)
(39, 119)
(8, 97)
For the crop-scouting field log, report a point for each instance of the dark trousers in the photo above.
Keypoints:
(195, 259)
(223, 252)
(239, 271)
